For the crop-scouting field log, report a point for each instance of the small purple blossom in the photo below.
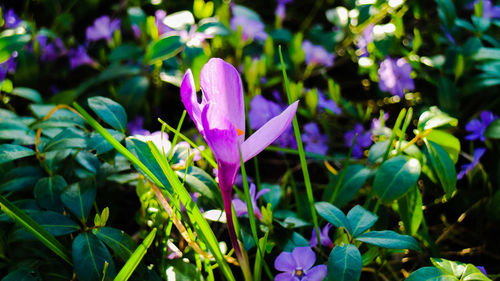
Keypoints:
(250, 28)
(363, 140)
(50, 51)
(136, 126)
(136, 30)
(394, 76)
(192, 38)
(466, 168)
(365, 39)
(316, 54)
(8, 66)
(103, 28)
(11, 19)
(79, 57)
(328, 104)
(477, 127)
(482, 269)
(280, 11)
(162, 28)
(314, 141)
(323, 236)
(240, 207)
(490, 11)
(298, 266)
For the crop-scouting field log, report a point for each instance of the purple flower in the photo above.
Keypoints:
(477, 127)
(11, 19)
(394, 76)
(8, 66)
(314, 141)
(298, 266)
(466, 168)
(136, 126)
(240, 207)
(364, 40)
(136, 30)
(329, 105)
(250, 28)
(280, 11)
(363, 140)
(192, 38)
(50, 51)
(316, 54)
(103, 28)
(490, 11)
(482, 269)
(162, 28)
(220, 118)
(78, 57)
(323, 236)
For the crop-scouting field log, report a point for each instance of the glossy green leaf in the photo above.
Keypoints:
(472, 273)
(131, 94)
(11, 152)
(11, 43)
(89, 258)
(377, 151)
(121, 244)
(23, 274)
(203, 183)
(344, 263)
(55, 224)
(16, 129)
(68, 138)
(163, 49)
(125, 52)
(434, 118)
(136, 257)
(333, 215)
(110, 112)
(447, 141)
(79, 198)
(443, 167)
(360, 220)
(20, 178)
(88, 160)
(493, 130)
(395, 177)
(430, 273)
(117, 70)
(27, 93)
(273, 196)
(389, 239)
(48, 192)
(354, 178)
(34, 228)
(410, 210)
(450, 267)
(100, 145)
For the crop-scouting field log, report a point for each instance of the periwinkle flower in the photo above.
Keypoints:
(103, 28)
(298, 266)
(323, 236)
(11, 20)
(363, 140)
(466, 168)
(192, 38)
(220, 118)
(50, 51)
(162, 27)
(136, 126)
(477, 127)
(490, 11)
(280, 11)
(8, 66)
(482, 269)
(136, 30)
(79, 57)
(250, 28)
(328, 104)
(314, 141)
(394, 76)
(317, 55)
(240, 207)
(365, 39)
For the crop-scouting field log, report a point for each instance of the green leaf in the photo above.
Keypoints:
(443, 166)
(23, 274)
(273, 196)
(48, 192)
(79, 198)
(213, 28)
(34, 228)
(493, 130)
(449, 267)
(355, 177)
(333, 215)
(395, 177)
(487, 54)
(163, 49)
(27, 93)
(117, 70)
(69, 138)
(100, 145)
(20, 178)
(121, 244)
(433, 118)
(89, 161)
(447, 141)
(472, 273)
(125, 52)
(131, 94)
(410, 210)
(89, 258)
(377, 151)
(55, 224)
(11, 152)
(430, 273)
(446, 12)
(344, 263)
(136, 257)
(9, 44)
(109, 111)
(15, 129)
(360, 220)
(203, 183)
(180, 270)
(389, 239)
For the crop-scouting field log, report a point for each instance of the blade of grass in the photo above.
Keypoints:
(176, 135)
(199, 222)
(300, 147)
(34, 228)
(406, 123)
(394, 132)
(136, 258)
(342, 174)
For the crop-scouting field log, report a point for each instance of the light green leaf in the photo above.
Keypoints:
(109, 111)
(395, 177)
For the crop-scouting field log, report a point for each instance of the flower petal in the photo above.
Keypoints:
(266, 135)
(316, 273)
(220, 135)
(285, 262)
(286, 276)
(190, 100)
(240, 208)
(304, 257)
(221, 84)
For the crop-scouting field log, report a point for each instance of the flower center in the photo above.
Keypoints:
(240, 132)
(299, 272)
